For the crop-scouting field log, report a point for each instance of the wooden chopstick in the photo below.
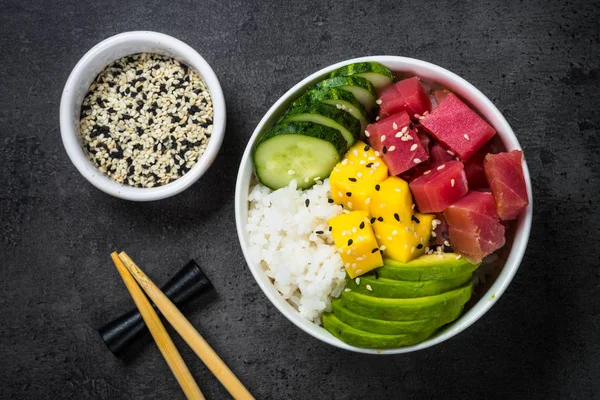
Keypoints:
(159, 333)
(187, 332)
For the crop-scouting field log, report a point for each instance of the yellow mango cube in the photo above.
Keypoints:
(354, 178)
(354, 237)
(392, 201)
(404, 242)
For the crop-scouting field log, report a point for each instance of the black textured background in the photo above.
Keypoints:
(538, 62)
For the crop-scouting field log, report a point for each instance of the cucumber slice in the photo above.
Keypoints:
(328, 115)
(342, 99)
(297, 150)
(376, 73)
(369, 340)
(392, 327)
(395, 289)
(361, 88)
(406, 309)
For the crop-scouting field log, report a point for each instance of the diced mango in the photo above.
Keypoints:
(404, 241)
(354, 237)
(392, 201)
(354, 178)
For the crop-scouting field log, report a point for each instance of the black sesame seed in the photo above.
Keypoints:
(319, 232)
(375, 250)
(448, 249)
(380, 219)
(411, 126)
(162, 88)
(419, 246)
(330, 229)
(139, 130)
(369, 165)
(99, 102)
(415, 219)
(138, 146)
(349, 194)
(377, 187)
(126, 117)
(362, 225)
(381, 251)
(139, 72)
(156, 66)
(373, 220)
(352, 179)
(307, 202)
(445, 235)
(175, 119)
(350, 241)
(150, 121)
(396, 217)
(384, 150)
(330, 201)
(193, 109)
(367, 148)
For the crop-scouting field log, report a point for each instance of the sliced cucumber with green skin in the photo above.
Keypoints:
(328, 115)
(428, 267)
(406, 309)
(360, 87)
(396, 289)
(369, 340)
(376, 73)
(342, 99)
(297, 150)
(393, 327)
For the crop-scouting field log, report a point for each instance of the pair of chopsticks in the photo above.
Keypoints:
(133, 276)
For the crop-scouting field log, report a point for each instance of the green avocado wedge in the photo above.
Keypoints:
(428, 267)
(359, 338)
(396, 289)
(406, 309)
(393, 327)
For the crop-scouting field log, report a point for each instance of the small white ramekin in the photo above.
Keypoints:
(429, 73)
(86, 70)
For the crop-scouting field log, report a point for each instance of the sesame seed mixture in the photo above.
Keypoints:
(146, 120)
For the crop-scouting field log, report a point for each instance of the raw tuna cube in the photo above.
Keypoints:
(504, 172)
(474, 228)
(439, 155)
(397, 143)
(407, 95)
(457, 127)
(439, 187)
(474, 167)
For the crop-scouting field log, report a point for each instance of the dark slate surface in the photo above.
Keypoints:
(538, 62)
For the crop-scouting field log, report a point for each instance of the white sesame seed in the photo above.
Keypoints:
(369, 288)
(371, 158)
(340, 194)
(350, 205)
(450, 152)
(404, 130)
(466, 136)
(355, 152)
(398, 190)
(357, 281)
(417, 160)
(367, 134)
(394, 232)
(441, 167)
(452, 182)
(399, 134)
(412, 249)
(389, 238)
(306, 180)
(392, 148)
(291, 172)
(382, 138)
(361, 162)
(395, 125)
(377, 118)
(368, 200)
(345, 161)
(427, 172)
(458, 257)
(359, 174)
(376, 153)
(347, 289)
(446, 243)
(378, 101)
(382, 248)
(413, 147)
(433, 234)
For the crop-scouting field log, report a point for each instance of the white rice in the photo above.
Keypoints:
(304, 266)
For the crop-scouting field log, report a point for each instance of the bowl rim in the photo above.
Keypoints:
(69, 134)
(509, 268)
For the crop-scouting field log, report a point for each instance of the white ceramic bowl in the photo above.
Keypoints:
(86, 70)
(429, 73)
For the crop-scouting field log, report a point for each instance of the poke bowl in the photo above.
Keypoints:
(285, 210)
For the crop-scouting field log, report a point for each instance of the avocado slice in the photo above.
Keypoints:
(359, 338)
(376, 286)
(428, 267)
(393, 327)
(406, 309)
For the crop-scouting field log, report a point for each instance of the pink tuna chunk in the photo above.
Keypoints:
(457, 127)
(407, 95)
(439, 187)
(504, 172)
(474, 228)
(400, 151)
